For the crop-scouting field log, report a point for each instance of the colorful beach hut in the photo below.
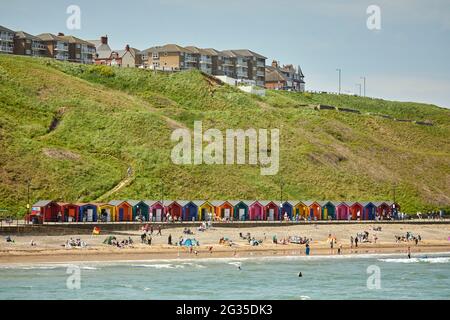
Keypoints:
(271, 210)
(328, 210)
(69, 212)
(301, 210)
(205, 210)
(87, 212)
(342, 211)
(173, 208)
(383, 209)
(156, 210)
(124, 211)
(190, 210)
(106, 212)
(369, 211)
(356, 210)
(139, 209)
(315, 210)
(224, 209)
(45, 211)
(241, 210)
(256, 211)
(288, 209)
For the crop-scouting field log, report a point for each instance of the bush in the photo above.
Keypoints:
(101, 70)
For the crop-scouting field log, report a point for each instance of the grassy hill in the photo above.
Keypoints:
(73, 131)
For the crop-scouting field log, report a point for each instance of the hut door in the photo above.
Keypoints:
(121, 214)
(158, 215)
(108, 215)
(271, 214)
(241, 214)
(227, 213)
(90, 215)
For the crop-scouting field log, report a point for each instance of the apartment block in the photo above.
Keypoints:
(6, 40)
(80, 51)
(28, 45)
(57, 47)
(170, 57)
(285, 77)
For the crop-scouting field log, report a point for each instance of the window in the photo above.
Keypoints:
(155, 55)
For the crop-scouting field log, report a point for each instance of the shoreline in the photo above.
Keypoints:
(182, 253)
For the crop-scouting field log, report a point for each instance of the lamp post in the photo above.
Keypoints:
(364, 82)
(340, 74)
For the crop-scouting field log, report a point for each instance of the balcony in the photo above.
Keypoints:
(260, 64)
(6, 49)
(5, 36)
(260, 74)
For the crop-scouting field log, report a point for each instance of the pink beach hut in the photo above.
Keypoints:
(256, 211)
(156, 210)
(342, 211)
(270, 211)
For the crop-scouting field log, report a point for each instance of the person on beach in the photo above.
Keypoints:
(340, 249)
(409, 252)
(169, 240)
(151, 230)
(351, 242)
(159, 231)
(149, 240)
(307, 250)
(210, 249)
(356, 242)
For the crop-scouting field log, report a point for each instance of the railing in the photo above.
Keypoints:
(6, 49)
(6, 37)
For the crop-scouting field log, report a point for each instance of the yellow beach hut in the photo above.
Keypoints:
(106, 212)
(205, 210)
(301, 210)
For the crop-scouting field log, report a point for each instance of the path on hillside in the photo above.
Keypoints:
(123, 183)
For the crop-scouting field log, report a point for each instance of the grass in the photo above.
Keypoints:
(109, 119)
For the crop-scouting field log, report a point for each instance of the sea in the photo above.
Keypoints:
(355, 277)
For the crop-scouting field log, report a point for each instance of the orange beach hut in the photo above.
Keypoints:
(224, 209)
(124, 211)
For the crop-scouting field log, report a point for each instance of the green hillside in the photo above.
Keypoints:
(73, 131)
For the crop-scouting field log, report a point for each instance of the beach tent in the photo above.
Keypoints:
(271, 210)
(87, 212)
(45, 211)
(139, 208)
(369, 211)
(256, 211)
(205, 209)
(124, 211)
(355, 208)
(328, 210)
(288, 208)
(189, 242)
(156, 211)
(190, 210)
(224, 209)
(173, 208)
(301, 210)
(315, 210)
(342, 211)
(241, 212)
(69, 212)
(106, 212)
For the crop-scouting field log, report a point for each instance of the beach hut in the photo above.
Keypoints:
(342, 211)
(395, 209)
(205, 210)
(87, 212)
(139, 209)
(256, 211)
(241, 210)
(173, 208)
(328, 210)
(45, 211)
(190, 210)
(224, 209)
(124, 211)
(301, 210)
(315, 210)
(356, 210)
(383, 209)
(106, 212)
(288, 209)
(69, 212)
(271, 210)
(156, 210)
(369, 211)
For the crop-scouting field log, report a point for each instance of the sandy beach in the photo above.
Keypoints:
(435, 238)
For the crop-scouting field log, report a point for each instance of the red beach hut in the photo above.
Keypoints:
(173, 208)
(356, 208)
(342, 211)
(271, 210)
(256, 211)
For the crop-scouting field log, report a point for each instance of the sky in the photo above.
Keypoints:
(406, 59)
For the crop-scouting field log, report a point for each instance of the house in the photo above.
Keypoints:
(6, 40)
(286, 77)
(170, 57)
(26, 44)
(102, 50)
(202, 59)
(127, 58)
(57, 47)
(80, 51)
(124, 211)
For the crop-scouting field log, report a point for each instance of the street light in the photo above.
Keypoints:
(364, 81)
(340, 72)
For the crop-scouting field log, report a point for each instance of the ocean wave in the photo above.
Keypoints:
(417, 260)
(158, 266)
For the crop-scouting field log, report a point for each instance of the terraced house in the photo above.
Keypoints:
(57, 46)
(29, 45)
(285, 77)
(6, 40)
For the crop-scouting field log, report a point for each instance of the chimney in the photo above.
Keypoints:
(60, 34)
(104, 39)
(127, 48)
(274, 64)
